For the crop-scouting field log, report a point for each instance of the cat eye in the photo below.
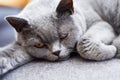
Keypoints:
(40, 45)
(63, 36)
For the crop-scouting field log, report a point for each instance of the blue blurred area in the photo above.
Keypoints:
(6, 31)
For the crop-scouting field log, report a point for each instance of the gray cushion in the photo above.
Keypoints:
(72, 69)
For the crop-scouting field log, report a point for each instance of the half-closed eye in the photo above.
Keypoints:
(39, 45)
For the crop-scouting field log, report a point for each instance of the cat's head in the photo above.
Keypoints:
(45, 36)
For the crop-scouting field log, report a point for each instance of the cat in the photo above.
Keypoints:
(46, 29)
(52, 29)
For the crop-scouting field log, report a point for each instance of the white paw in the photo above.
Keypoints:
(116, 43)
(95, 50)
(3, 66)
(108, 51)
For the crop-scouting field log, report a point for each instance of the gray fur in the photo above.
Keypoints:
(13, 56)
(102, 17)
(94, 25)
(43, 26)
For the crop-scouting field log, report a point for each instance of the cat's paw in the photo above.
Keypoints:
(116, 43)
(95, 50)
(3, 66)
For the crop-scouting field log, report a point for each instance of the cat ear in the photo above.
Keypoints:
(17, 23)
(65, 7)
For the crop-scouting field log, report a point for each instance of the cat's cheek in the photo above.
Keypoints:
(42, 53)
(37, 52)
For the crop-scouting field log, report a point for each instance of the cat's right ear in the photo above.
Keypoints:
(65, 8)
(17, 23)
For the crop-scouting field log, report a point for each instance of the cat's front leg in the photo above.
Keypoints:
(11, 57)
(95, 43)
(116, 43)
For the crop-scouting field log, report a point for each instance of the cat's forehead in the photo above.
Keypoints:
(39, 19)
(46, 31)
(44, 24)
(47, 34)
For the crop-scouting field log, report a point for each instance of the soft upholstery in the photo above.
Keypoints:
(72, 69)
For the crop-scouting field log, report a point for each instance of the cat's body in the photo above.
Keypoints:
(102, 20)
(50, 30)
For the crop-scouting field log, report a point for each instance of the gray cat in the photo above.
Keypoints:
(50, 29)
(45, 29)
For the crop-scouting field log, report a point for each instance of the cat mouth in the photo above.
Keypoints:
(62, 55)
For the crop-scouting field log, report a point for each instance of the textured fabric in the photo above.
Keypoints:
(72, 69)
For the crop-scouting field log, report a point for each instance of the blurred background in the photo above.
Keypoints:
(9, 7)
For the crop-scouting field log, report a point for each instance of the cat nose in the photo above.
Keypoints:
(57, 53)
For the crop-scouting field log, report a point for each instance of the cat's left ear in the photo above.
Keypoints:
(65, 8)
(18, 23)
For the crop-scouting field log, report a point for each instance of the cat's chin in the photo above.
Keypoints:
(63, 58)
(64, 55)
(51, 57)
